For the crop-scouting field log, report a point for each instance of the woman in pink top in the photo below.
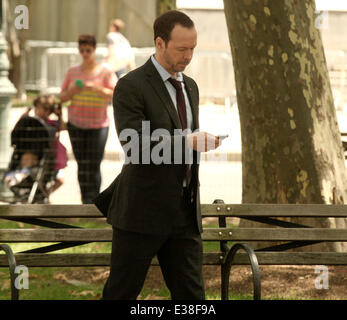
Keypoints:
(89, 88)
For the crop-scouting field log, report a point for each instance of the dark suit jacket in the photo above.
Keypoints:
(145, 197)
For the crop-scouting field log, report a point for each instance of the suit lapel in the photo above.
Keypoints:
(193, 99)
(194, 103)
(159, 87)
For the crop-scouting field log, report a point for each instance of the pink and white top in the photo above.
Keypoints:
(88, 110)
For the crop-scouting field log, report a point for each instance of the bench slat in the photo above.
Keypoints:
(208, 210)
(82, 259)
(275, 210)
(55, 235)
(275, 234)
(50, 211)
(210, 258)
(211, 234)
(296, 258)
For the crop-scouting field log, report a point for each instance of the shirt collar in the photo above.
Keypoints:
(163, 73)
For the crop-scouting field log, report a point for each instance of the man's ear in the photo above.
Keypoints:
(159, 43)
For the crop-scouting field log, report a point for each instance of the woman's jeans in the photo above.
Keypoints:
(88, 146)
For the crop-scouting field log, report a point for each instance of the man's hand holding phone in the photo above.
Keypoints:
(203, 141)
(221, 137)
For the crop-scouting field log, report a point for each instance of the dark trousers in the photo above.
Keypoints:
(179, 254)
(88, 146)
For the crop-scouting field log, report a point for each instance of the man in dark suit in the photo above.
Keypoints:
(154, 205)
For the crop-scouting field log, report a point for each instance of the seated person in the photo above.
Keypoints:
(27, 162)
(44, 107)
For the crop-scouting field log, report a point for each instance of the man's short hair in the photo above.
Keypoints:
(87, 39)
(164, 24)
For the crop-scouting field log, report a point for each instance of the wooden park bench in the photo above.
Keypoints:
(233, 247)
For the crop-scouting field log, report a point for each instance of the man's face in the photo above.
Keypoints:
(177, 53)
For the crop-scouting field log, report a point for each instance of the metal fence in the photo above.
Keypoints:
(46, 63)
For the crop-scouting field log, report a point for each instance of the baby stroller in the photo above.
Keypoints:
(33, 142)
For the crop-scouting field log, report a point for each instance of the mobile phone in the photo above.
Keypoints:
(222, 136)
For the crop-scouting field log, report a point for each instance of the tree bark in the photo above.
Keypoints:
(291, 146)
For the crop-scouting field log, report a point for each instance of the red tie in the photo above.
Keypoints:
(182, 112)
(181, 104)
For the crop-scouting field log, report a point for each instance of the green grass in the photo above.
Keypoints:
(51, 284)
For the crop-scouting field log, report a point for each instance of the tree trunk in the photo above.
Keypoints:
(291, 146)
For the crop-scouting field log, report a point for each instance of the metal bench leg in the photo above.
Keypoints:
(12, 265)
(227, 266)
